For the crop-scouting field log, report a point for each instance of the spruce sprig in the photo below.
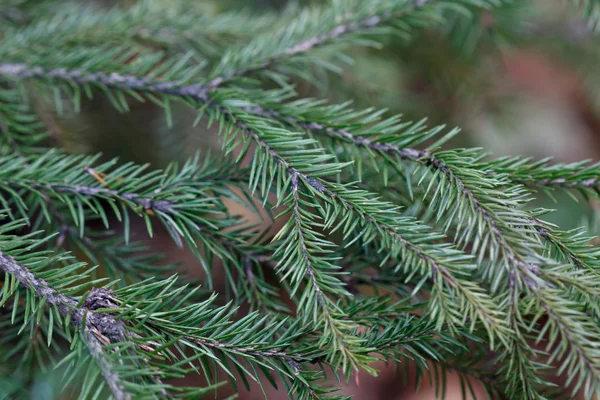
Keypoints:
(461, 239)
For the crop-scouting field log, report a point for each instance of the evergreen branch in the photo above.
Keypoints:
(296, 215)
(20, 131)
(349, 21)
(580, 275)
(361, 18)
(97, 327)
(531, 275)
(356, 17)
(541, 175)
(199, 95)
(573, 246)
(511, 252)
(305, 46)
(175, 29)
(114, 80)
(543, 281)
(334, 327)
(323, 188)
(357, 204)
(145, 203)
(180, 199)
(425, 157)
(249, 350)
(205, 331)
(583, 285)
(110, 322)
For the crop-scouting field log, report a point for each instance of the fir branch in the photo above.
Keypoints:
(372, 219)
(574, 247)
(580, 275)
(307, 45)
(199, 95)
(542, 282)
(180, 199)
(114, 80)
(111, 322)
(100, 329)
(97, 327)
(424, 157)
(526, 273)
(345, 21)
(427, 158)
(321, 187)
(303, 247)
(358, 19)
(251, 350)
(177, 29)
(543, 176)
(333, 326)
(354, 202)
(20, 131)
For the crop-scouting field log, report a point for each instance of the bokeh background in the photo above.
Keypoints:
(520, 80)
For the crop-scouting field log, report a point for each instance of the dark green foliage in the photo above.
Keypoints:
(463, 274)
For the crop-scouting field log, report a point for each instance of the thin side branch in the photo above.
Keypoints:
(198, 91)
(115, 80)
(304, 46)
(146, 203)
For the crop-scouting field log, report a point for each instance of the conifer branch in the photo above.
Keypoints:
(528, 275)
(426, 157)
(385, 12)
(422, 156)
(100, 329)
(347, 198)
(335, 25)
(97, 328)
(324, 188)
(114, 80)
(20, 131)
(575, 249)
(542, 175)
(332, 325)
(198, 95)
(176, 198)
(490, 270)
(177, 29)
(303, 247)
(306, 45)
